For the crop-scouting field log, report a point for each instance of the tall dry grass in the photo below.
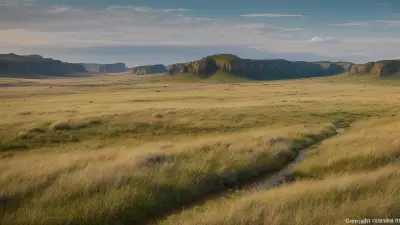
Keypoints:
(121, 149)
(369, 145)
(357, 172)
(134, 185)
(330, 202)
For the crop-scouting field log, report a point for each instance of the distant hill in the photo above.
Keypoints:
(382, 68)
(36, 64)
(149, 69)
(259, 69)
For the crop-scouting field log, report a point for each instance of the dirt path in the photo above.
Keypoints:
(279, 178)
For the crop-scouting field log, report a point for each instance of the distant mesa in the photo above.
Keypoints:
(149, 69)
(382, 68)
(13, 64)
(258, 69)
(113, 68)
(105, 68)
(36, 64)
(220, 66)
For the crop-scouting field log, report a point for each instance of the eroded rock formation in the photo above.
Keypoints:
(113, 68)
(380, 68)
(36, 64)
(259, 69)
(149, 69)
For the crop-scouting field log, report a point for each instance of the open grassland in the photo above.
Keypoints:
(128, 150)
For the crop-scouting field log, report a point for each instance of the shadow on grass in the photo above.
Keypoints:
(170, 199)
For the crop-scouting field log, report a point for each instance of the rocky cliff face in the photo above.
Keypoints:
(386, 68)
(259, 69)
(35, 64)
(105, 68)
(380, 68)
(113, 68)
(361, 68)
(149, 69)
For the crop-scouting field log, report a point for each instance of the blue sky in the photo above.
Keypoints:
(140, 32)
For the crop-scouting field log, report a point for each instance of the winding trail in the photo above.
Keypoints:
(278, 178)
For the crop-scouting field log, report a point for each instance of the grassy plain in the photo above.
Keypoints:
(126, 149)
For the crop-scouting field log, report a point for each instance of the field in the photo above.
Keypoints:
(123, 149)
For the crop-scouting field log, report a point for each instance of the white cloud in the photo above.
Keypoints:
(159, 10)
(327, 40)
(145, 9)
(358, 54)
(271, 15)
(59, 9)
(293, 29)
(252, 25)
(388, 22)
(196, 19)
(270, 28)
(16, 2)
(355, 23)
(25, 26)
(367, 23)
(123, 25)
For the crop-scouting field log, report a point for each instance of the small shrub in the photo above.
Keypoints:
(158, 115)
(36, 130)
(95, 122)
(13, 147)
(27, 113)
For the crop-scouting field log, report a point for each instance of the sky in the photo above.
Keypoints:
(142, 32)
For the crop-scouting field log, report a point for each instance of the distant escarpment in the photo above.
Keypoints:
(36, 64)
(381, 68)
(149, 69)
(259, 69)
(113, 68)
(92, 67)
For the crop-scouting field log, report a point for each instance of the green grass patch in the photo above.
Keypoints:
(224, 77)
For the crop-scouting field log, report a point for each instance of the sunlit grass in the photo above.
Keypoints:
(126, 149)
(367, 146)
(330, 202)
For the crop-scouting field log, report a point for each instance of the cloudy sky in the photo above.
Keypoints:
(139, 32)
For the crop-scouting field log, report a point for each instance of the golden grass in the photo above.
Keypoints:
(125, 149)
(133, 185)
(329, 202)
(367, 146)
